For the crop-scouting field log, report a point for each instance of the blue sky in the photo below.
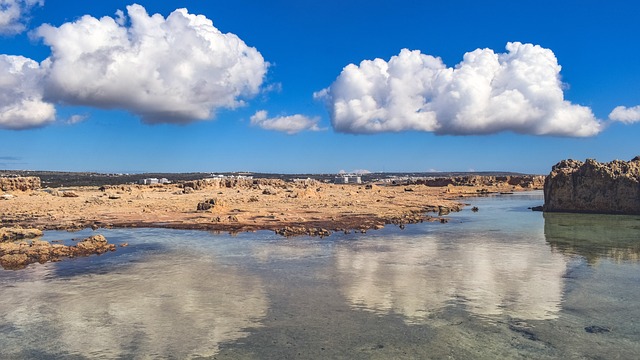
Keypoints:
(263, 108)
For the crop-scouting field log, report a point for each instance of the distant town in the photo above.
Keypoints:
(56, 179)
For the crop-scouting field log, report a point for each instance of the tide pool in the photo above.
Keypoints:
(504, 282)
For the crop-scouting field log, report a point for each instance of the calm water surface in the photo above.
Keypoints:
(504, 282)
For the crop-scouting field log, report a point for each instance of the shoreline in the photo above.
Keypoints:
(287, 208)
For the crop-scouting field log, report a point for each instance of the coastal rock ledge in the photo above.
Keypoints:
(593, 187)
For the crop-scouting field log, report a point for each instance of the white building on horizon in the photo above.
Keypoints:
(347, 179)
(153, 181)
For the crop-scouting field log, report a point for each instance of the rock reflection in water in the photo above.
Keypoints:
(181, 310)
(594, 236)
(420, 276)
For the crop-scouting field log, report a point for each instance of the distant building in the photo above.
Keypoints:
(153, 181)
(347, 179)
(214, 176)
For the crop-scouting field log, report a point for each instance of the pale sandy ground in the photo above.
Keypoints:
(278, 205)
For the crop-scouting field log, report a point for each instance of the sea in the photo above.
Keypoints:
(500, 283)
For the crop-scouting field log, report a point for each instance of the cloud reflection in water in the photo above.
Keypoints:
(179, 310)
(418, 276)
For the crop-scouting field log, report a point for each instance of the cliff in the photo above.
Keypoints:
(19, 183)
(593, 187)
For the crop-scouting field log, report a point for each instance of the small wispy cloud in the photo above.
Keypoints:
(291, 124)
(627, 115)
(11, 161)
(273, 87)
(75, 119)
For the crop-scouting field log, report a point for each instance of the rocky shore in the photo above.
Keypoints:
(531, 182)
(305, 207)
(16, 255)
(289, 208)
(594, 187)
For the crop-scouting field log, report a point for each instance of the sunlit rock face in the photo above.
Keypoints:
(22, 183)
(180, 311)
(421, 277)
(594, 187)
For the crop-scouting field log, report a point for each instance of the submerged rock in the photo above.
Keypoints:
(593, 187)
(595, 329)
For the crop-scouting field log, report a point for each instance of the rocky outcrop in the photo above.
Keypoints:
(593, 187)
(11, 234)
(532, 182)
(244, 183)
(210, 204)
(17, 255)
(19, 183)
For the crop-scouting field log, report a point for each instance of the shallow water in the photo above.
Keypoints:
(504, 282)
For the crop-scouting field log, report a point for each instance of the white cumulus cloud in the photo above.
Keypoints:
(13, 14)
(21, 103)
(487, 92)
(176, 69)
(625, 114)
(292, 124)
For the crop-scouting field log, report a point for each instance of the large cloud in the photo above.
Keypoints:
(13, 13)
(518, 91)
(292, 124)
(166, 70)
(21, 104)
(625, 114)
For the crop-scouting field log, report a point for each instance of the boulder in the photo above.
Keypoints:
(209, 204)
(96, 244)
(593, 187)
(14, 261)
(69, 194)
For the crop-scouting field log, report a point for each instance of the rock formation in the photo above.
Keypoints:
(209, 204)
(593, 187)
(11, 234)
(532, 182)
(244, 183)
(19, 183)
(17, 255)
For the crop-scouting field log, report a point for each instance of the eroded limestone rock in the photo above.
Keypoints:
(11, 234)
(19, 183)
(593, 187)
(17, 255)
